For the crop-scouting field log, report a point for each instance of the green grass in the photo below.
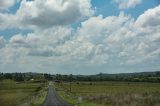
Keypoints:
(14, 94)
(40, 98)
(111, 93)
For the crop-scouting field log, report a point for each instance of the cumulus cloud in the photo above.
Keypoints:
(5, 4)
(8, 21)
(2, 42)
(99, 40)
(27, 48)
(47, 13)
(17, 39)
(150, 17)
(111, 37)
(124, 4)
(119, 38)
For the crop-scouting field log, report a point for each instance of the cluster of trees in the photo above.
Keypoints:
(13, 76)
(132, 77)
(25, 76)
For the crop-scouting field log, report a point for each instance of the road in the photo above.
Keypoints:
(53, 99)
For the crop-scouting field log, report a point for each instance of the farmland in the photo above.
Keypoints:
(110, 93)
(21, 93)
(30, 89)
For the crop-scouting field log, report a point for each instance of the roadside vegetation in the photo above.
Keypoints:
(110, 93)
(39, 98)
(28, 93)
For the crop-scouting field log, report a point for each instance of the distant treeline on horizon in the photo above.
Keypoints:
(129, 77)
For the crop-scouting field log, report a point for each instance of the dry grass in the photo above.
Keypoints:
(129, 99)
(114, 93)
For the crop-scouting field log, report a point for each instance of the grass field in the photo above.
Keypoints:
(110, 93)
(24, 93)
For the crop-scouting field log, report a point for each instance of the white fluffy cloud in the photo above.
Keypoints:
(99, 40)
(131, 41)
(5, 4)
(47, 13)
(150, 17)
(123, 4)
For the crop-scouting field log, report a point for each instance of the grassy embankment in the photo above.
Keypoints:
(22, 93)
(110, 93)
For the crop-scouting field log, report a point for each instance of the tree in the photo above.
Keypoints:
(19, 77)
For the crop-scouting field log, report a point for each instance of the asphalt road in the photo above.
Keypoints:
(53, 99)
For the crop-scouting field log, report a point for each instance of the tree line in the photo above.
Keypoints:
(130, 77)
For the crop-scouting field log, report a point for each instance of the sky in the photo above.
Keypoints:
(79, 36)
